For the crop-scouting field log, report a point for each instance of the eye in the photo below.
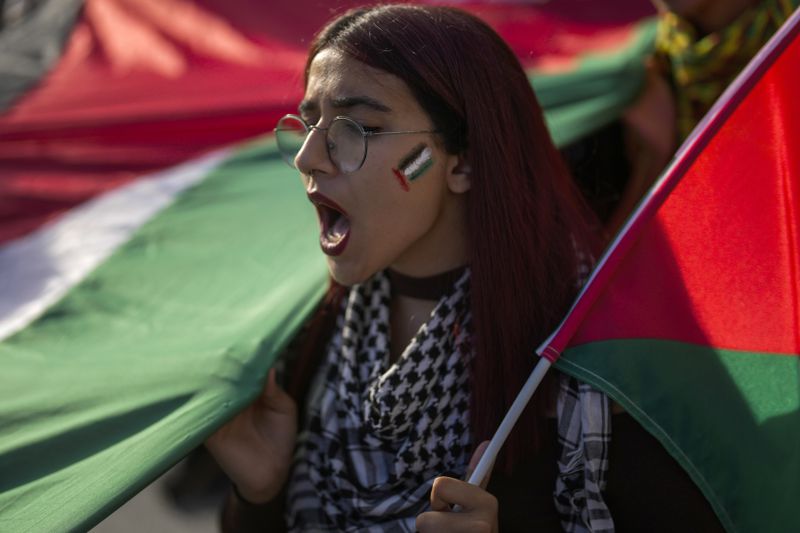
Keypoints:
(367, 129)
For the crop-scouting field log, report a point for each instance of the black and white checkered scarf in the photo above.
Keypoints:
(584, 435)
(377, 434)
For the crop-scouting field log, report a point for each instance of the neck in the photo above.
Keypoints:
(424, 288)
(406, 316)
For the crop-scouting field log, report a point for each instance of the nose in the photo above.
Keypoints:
(313, 156)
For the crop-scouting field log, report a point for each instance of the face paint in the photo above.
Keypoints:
(414, 165)
(401, 178)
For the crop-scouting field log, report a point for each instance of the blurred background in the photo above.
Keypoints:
(159, 508)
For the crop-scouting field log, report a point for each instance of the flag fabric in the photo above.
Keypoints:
(145, 84)
(691, 321)
(153, 263)
(163, 340)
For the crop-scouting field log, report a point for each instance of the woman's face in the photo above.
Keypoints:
(405, 206)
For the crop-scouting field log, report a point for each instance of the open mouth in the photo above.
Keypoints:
(334, 224)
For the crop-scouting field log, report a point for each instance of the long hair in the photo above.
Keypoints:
(526, 224)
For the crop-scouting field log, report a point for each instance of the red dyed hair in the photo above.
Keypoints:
(525, 218)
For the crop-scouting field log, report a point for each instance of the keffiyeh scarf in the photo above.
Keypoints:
(378, 433)
(584, 435)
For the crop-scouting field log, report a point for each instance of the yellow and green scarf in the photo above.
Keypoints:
(701, 67)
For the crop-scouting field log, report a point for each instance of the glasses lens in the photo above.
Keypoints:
(290, 135)
(346, 145)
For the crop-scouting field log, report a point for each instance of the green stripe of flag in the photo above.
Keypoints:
(156, 347)
(699, 397)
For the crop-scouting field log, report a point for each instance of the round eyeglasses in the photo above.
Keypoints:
(345, 140)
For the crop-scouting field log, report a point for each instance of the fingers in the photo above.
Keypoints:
(270, 385)
(432, 522)
(475, 459)
(447, 492)
(274, 398)
(476, 456)
(478, 508)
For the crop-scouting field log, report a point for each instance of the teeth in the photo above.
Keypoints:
(337, 231)
(334, 228)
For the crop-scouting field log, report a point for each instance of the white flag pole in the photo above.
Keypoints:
(513, 414)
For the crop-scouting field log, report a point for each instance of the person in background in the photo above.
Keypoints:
(700, 48)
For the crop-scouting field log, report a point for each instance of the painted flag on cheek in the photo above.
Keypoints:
(692, 320)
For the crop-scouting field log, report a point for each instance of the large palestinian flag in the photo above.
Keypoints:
(692, 319)
(151, 269)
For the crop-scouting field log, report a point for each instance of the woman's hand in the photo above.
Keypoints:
(478, 508)
(255, 448)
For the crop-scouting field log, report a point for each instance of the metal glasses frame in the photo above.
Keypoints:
(364, 135)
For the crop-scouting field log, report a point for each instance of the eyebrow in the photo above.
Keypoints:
(346, 102)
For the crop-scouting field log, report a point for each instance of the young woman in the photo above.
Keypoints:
(456, 241)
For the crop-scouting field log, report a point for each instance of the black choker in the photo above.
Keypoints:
(428, 288)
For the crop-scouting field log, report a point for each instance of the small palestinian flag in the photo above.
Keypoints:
(413, 165)
(417, 162)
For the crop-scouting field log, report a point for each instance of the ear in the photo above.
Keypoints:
(458, 179)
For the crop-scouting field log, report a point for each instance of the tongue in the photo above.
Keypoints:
(338, 230)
